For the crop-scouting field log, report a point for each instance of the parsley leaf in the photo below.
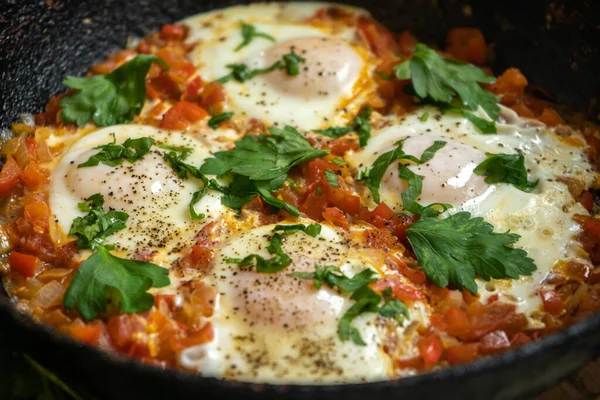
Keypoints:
(334, 277)
(278, 262)
(260, 166)
(113, 154)
(175, 158)
(456, 249)
(339, 161)
(125, 281)
(412, 193)
(114, 98)
(97, 225)
(332, 178)
(372, 176)
(360, 125)
(242, 73)
(507, 168)
(366, 300)
(311, 230)
(291, 63)
(442, 79)
(249, 32)
(216, 120)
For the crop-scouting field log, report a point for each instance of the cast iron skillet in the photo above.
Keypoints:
(556, 46)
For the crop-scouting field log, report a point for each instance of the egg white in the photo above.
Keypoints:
(149, 191)
(329, 86)
(543, 218)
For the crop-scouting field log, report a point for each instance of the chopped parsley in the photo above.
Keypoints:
(249, 32)
(365, 299)
(339, 161)
(114, 98)
(372, 176)
(242, 73)
(332, 178)
(412, 193)
(506, 168)
(97, 225)
(360, 125)
(280, 260)
(175, 158)
(259, 166)
(453, 250)
(216, 120)
(103, 277)
(113, 154)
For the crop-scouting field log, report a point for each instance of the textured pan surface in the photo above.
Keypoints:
(555, 46)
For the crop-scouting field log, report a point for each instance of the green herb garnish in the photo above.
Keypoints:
(114, 98)
(249, 32)
(506, 168)
(113, 154)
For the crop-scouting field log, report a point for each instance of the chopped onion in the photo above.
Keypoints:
(43, 151)
(50, 295)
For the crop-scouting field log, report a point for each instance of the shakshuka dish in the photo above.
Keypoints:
(291, 193)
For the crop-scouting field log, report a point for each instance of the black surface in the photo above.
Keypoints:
(42, 41)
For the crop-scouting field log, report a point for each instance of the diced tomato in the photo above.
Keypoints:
(586, 198)
(593, 225)
(168, 299)
(204, 335)
(401, 222)
(336, 217)
(400, 290)
(520, 339)
(494, 342)
(462, 353)
(379, 38)
(415, 276)
(485, 318)
(522, 110)
(430, 350)
(468, 45)
(193, 90)
(552, 301)
(213, 97)
(123, 328)
(38, 213)
(510, 86)
(9, 176)
(23, 264)
(456, 322)
(551, 117)
(380, 239)
(87, 334)
(51, 114)
(314, 206)
(181, 115)
(173, 32)
(201, 256)
(341, 146)
(383, 211)
(33, 175)
(407, 42)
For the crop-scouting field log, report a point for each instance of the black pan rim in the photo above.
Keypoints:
(485, 364)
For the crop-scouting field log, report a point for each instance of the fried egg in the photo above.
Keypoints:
(336, 74)
(543, 218)
(149, 191)
(278, 328)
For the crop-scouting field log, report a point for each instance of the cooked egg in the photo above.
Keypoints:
(336, 73)
(543, 218)
(278, 328)
(149, 191)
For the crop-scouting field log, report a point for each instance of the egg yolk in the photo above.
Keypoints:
(331, 67)
(448, 176)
